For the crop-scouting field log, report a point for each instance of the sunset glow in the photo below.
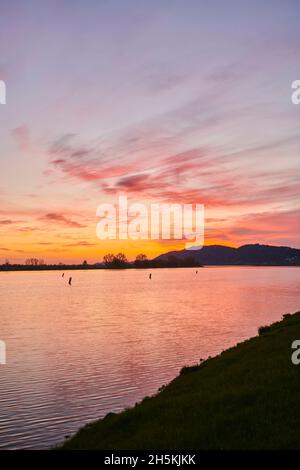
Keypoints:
(152, 99)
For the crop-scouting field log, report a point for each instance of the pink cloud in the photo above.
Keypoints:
(61, 219)
(21, 136)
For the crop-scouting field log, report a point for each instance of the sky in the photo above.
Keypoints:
(163, 101)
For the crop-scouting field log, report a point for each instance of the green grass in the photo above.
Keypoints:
(248, 397)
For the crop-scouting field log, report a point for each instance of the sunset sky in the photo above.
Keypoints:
(164, 101)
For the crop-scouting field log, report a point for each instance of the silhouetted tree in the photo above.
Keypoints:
(34, 262)
(115, 261)
(120, 260)
(141, 261)
(108, 260)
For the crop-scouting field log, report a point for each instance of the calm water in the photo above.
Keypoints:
(76, 353)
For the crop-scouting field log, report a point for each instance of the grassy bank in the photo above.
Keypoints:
(245, 398)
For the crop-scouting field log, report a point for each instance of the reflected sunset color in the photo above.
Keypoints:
(77, 353)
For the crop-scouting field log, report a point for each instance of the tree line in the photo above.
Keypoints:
(110, 261)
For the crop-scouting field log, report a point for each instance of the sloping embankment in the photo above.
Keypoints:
(245, 398)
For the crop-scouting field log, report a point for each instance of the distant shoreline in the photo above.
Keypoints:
(209, 255)
(95, 268)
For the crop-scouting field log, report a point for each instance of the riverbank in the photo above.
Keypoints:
(245, 398)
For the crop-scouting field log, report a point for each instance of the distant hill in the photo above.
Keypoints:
(261, 255)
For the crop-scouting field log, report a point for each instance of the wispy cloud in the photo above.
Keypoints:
(160, 107)
(6, 222)
(21, 136)
(53, 217)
